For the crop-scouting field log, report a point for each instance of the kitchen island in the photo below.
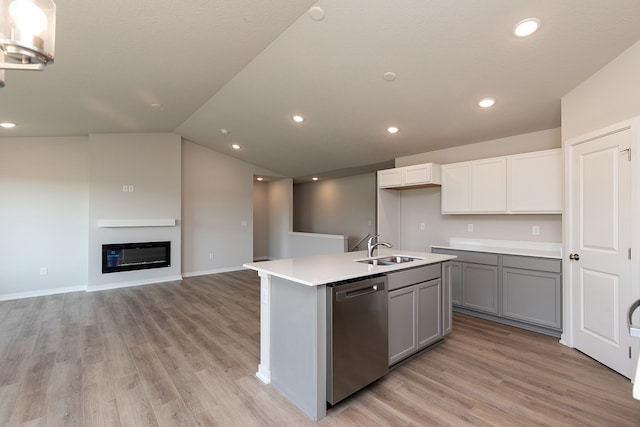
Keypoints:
(293, 318)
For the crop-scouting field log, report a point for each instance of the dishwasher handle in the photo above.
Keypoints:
(634, 330)
(358, 292)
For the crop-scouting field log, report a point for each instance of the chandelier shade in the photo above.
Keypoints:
(27, 33)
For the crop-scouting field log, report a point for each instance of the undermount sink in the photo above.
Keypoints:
(389, 260)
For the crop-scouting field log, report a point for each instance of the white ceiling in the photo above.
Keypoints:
(248, 65)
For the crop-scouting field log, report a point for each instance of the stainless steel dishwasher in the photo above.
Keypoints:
(357, 335)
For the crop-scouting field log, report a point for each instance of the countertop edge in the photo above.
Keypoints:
(502, 251)
(430, 258)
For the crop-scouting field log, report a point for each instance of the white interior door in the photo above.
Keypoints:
(600, 244)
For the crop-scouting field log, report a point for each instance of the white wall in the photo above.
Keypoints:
(217, 198)
(423, 205)
(44, 212)
(150, 162)
(344, 206)
(607, 97)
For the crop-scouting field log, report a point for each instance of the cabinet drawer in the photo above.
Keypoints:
(529, 263)
(400, 279)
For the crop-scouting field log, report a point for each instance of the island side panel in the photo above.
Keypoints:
(299, 344)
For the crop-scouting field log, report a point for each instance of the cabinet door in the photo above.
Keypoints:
(415, 175)
(489, 185)
(480, 287)
(390, 178)
(429, 314)
(536, 180)
(455, 188)
(402, 323)
(532, 296)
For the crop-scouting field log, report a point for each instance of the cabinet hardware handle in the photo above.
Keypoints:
(574, 257)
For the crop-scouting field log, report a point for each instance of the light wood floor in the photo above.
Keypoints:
(185, 354)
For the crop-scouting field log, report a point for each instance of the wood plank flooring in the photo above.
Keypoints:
(185, 354)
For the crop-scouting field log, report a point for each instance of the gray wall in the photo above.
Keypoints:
(150, 162)
(336, 206)
(217, 198)
(44, 215)
(609, 96)
(279, 208)
(260, 221)
(47, 186)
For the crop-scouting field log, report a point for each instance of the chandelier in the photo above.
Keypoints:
(27, 35)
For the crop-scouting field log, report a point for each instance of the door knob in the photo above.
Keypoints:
(574, 257)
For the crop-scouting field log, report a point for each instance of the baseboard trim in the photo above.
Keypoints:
(133, 283)
(42, 293)
(215, 271)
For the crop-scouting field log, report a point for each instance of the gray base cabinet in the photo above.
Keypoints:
(532, 290)
(521, 291)
(480, 290)
(415, 311)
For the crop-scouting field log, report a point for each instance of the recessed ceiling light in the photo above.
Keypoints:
(259, 178)
(156, 105)
(392, 129)
(316, 13)
(389, 76)
(486, 102)
(235, 146)
(298, 118)
(315, 178)
(224, 131)
(526, 27)
(8, 125)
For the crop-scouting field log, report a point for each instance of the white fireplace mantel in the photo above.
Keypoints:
(141, 222)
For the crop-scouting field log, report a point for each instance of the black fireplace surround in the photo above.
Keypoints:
(135, 256)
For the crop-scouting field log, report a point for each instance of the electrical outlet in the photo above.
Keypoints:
(470, 228)
(244, 223)
(211, 256)
(43, 271)
(125, 188)
(131, 188)
(535, 230)
(423, 226)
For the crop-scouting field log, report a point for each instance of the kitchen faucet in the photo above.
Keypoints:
(371, 246)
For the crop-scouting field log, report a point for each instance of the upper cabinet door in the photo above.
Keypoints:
(390, 178)
(536, 182)
(489, 185)
(410, 176)
(418, 174)
(456, 178)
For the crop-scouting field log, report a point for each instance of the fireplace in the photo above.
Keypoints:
(135, 256)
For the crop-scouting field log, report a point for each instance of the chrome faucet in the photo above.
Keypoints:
(371, 246)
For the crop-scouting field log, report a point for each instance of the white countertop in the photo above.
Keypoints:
(323, 269)
(507, 247)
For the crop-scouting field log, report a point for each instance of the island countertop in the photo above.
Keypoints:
(324, 269)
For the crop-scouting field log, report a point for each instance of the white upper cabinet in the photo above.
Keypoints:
(456, 188)
(519, 184)
(536, 182)
(409, 176)
(475, 187)
(489, 185)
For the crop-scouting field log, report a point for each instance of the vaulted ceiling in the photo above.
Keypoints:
(247, 66)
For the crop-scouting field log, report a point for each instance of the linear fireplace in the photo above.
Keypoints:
(135, 256)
